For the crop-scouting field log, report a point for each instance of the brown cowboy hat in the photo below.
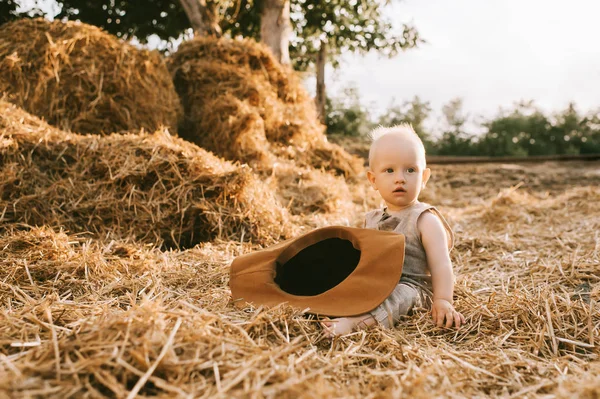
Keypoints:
(333, 271)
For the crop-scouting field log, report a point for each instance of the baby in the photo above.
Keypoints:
(397, 170)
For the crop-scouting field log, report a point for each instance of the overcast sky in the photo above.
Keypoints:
(489, 52)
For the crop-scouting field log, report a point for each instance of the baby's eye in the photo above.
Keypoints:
(411, 170)
(389, 170)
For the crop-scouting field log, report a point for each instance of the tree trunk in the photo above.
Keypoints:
(203, 17)
(276, 28)
(321, 96)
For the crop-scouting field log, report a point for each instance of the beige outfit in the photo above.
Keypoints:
(414, 288)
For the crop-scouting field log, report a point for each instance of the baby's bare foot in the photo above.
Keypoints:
(337, 327)
(345, 325)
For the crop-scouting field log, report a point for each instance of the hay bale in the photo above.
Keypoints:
(80, 78)
(240, 103)
(152, 187)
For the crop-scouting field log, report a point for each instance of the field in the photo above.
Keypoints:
(90, 318)
(129, 181)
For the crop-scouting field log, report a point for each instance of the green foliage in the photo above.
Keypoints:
(523, 130)
(454, 115)
(528, 131)
(241, 17)
(413, 112)
(455, 143)
(588, 136)
(131, 18)
(346, 115)
(455, 140)
(128, 18)
(579, 134)
(348, 26)
(9, 10)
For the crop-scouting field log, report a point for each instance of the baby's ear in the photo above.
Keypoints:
(371, 178)
(426, 176)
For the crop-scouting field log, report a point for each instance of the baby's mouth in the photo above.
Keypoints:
(400, 190)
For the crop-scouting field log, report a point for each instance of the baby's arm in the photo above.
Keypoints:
(435, 242)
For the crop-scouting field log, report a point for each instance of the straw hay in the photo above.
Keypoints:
(316, 198)
(306, 191)
(79, 78)
(90, 306)
(85, 317)
(240, 103)
(153, 188)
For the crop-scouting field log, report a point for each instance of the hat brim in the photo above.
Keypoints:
(252, 276)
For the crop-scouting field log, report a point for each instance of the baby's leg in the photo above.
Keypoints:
(400, 302)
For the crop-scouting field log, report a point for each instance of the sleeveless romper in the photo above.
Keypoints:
(414, 288)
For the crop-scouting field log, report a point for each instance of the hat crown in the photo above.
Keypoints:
(353, 289)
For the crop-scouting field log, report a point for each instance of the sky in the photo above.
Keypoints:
(491, 53)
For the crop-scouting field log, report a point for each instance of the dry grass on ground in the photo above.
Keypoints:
(93, 304)
(115, 318)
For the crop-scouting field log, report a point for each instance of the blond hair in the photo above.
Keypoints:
(403, 130)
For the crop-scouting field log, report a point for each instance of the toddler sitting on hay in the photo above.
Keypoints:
(397, 170)
(377, 274)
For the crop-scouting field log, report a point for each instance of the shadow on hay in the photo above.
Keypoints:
(240, 103)
(150, 187)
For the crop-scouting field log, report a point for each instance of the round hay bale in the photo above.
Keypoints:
(151, 187)
(80, 78)
(242, 104)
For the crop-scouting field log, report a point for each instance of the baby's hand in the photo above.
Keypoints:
(442, 309)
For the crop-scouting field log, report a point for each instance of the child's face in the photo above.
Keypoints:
(398, 171)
